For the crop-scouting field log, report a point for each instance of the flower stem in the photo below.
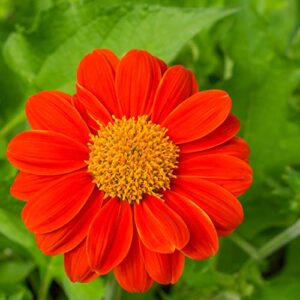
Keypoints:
(45, 283)
(280, 240)
(112, 290)
(245, 246)
(270, 247)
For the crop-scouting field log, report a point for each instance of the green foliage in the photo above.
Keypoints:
(15, 271)
(51, 62)
(251, 48)
(263, 81)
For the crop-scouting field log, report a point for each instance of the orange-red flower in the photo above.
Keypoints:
(136, 171)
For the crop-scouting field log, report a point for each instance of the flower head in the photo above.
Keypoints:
(133, 173)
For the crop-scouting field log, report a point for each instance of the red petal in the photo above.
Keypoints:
(110, 236)
(177, 84)
(46, 153)
(227, 130)
(235, 147)
(131, 273)
(197, 116)
(27, 185)
(203, 236)
(57, 204)
(50, 110)
(222, 207)
(137, 78)
(76, 264)
(89, 120)
(96, 73)
(163, 268)
(163, 66)
(159, 227)
(85, 100)
(70, 235)
(230, 172)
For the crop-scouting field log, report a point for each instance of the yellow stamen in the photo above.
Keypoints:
(132, 157)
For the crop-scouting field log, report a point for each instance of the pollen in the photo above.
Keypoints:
(130, 158)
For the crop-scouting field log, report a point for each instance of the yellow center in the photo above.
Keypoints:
(131, 158)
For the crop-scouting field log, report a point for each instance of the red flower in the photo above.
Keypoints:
(136, 171)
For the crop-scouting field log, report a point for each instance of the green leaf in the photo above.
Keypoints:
(79, 291)
(12, 227)
(263, 108)
(54, 270)
(15, 292)
(285, 289)
(261, 85)
(12, 89)
(294, 49)
(14, 271)
(22, 62)
(274, 13)
(50, 62)
(2, 148)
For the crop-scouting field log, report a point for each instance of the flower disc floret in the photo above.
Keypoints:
(132, 157)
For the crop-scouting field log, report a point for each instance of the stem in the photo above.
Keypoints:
(280, 240)
(244, 245)
(44, 287)
(112, 290)
(17, 119)
(270, 247)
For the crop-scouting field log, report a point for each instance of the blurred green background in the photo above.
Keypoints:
(249, 48)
